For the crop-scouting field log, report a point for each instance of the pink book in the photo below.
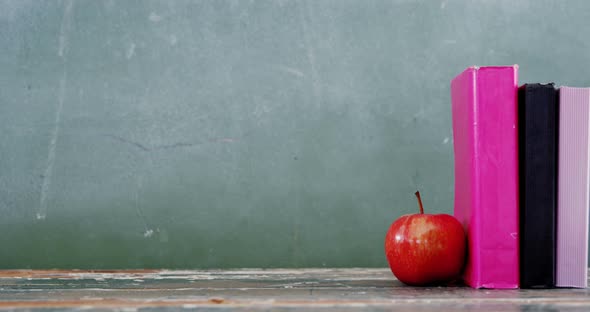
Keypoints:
(484, 103)
(572, 187)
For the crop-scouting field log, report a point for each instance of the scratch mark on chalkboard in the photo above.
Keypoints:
(176, 145)
(145, 148)
(446, 140)
(414, 119)
(51, 149)
(136, 144)
(310, 52)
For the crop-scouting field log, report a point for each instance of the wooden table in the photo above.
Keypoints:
(257, 290)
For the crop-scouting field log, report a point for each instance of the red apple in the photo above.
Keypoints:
(424, 249)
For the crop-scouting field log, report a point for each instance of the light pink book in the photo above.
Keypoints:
(484, 104)
(572, 187)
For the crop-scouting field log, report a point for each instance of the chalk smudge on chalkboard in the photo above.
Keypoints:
(223, 140)
(155, 17)
(47, 175)
(65, 28)
(11, 9)
(130, 51)
(173, 40)
(416, 179)
(292, 71)
(310, 52)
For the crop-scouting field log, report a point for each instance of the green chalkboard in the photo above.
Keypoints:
(216, 134)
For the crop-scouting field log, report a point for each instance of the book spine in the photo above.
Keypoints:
(573, 187)
(537, 105)
(486, 167)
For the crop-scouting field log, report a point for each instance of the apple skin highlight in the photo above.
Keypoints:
(426, 249)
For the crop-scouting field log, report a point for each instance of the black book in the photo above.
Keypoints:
(537, 117)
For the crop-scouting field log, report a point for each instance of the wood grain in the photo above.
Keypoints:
(258, 289)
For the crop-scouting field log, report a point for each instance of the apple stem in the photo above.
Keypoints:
(419, 202)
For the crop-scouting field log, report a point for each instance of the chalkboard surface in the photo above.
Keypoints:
(216, 134)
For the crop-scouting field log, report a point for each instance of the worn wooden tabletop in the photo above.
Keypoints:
(257, 290)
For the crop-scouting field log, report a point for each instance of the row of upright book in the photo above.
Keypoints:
(522, 179)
